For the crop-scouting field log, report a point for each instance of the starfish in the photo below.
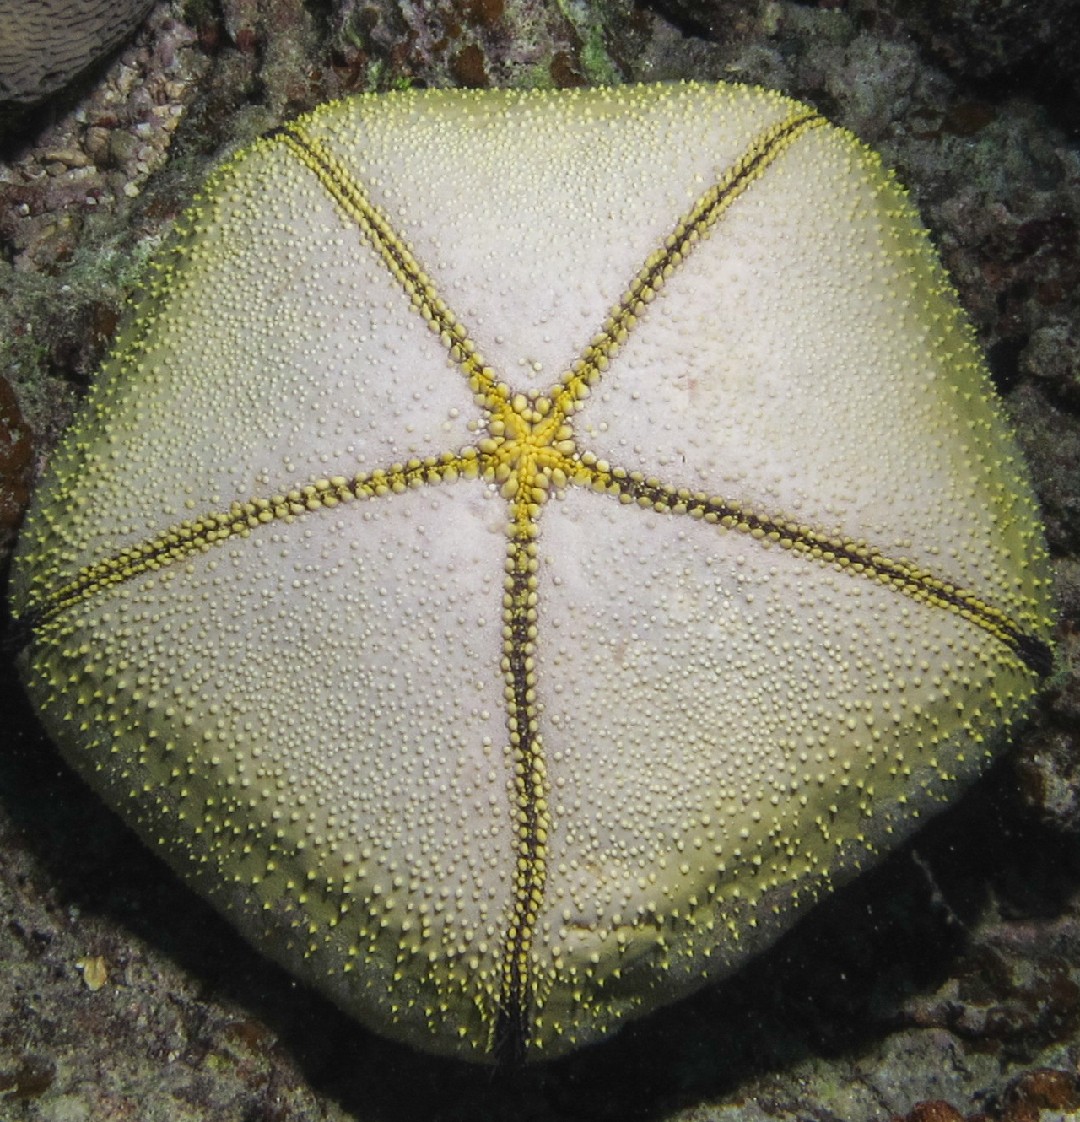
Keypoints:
(496, 801)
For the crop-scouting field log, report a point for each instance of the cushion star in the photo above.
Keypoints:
(525, 546)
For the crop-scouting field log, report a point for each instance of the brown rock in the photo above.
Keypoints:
(15, 459)
(1042, 1089)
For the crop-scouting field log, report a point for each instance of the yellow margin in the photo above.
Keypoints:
(528, 451)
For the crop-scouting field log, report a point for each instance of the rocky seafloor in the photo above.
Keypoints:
(943, 985)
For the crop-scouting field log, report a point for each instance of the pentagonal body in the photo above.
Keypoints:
(525, 545)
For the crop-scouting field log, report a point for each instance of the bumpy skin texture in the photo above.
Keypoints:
(526, 546)
(44, 44)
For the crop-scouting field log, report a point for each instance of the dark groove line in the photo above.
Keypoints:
(853, 556)
(511, 1032)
